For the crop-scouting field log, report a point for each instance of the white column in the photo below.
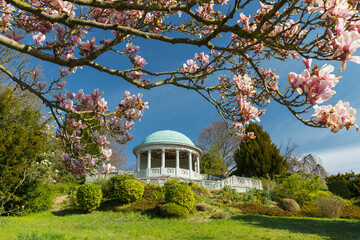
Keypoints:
(149, 162)
(138, 162)
(177, 171)
(163, 162)
(198, 164)
(190, 165)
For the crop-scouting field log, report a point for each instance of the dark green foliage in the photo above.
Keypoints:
(258, 157)
(250, 195)
(181, 195)
(22, 140)
(130, 190)
(111, 188)
(266, 197)
(154, 192)
(199, 190)
(172, 210)
(212, 162)
(227, 194)
(346, 178)
(89, 196)
(39, 196)
(301, 188)
(340, 188)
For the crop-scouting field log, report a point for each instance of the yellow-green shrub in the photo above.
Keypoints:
(89, 196)
(172, 210)
(130, 190)
(180, 194)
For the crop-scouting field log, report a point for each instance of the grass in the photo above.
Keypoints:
(118, 225)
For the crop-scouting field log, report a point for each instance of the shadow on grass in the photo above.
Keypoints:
(68, 211)
(334, 229)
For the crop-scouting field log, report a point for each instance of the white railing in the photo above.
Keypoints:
(170, 172)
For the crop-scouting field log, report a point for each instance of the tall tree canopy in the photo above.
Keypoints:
(258, 157)
(235, 38)
(218, 134)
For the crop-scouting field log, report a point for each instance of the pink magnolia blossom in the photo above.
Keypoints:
(39, 37)
(42, 85)
(14, 36)
(107, 153)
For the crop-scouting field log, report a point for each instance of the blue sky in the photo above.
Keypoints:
(187, 112)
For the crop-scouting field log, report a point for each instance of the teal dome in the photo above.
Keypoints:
(167, 136)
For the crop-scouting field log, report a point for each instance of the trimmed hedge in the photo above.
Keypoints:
(89, 196)
(130, 190)
(180, 194)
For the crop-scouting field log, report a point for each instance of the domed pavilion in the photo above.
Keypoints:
(167, 154)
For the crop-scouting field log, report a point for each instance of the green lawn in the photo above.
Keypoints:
(111, 225)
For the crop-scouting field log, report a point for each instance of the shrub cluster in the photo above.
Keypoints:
(227, 194)
(180, 194)
(257, 208)
(111, 188)
(172, 210)
(329, 206)
(154, 192)
(300, 188)
(89, 196)
(350, 211)
(199, 190)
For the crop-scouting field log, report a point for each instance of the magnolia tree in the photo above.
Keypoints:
(234, 38)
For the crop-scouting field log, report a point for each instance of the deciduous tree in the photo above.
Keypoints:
(258, 157)
(218, 134)
(235, 37)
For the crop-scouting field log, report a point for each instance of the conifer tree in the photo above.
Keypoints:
(258, 157)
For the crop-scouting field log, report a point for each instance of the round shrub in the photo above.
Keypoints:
(130, 190)
(111, 188)
(89, 196)
(203, 207)
(329, 206)
(172, 210)
(288, 204)
(220, 214)
(181, 195)
(154, 192)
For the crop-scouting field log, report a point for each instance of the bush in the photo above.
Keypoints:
(340, 188)
(228, 194)
(154, 192)
(266, 197)
(89, 196)
(39, 197)
(220, 214)
(329, 206)
(143, 205)
(172, 210)
(350, 211)
(111, 188)
(288, 204)
(250, 195)
(181, 195)
(203, 207)
(300, 188)
(130, 190)
(199, 190)
(257, 208)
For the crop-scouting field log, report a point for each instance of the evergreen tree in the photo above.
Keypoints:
(22, 140)
(212, 162)
(258, 157)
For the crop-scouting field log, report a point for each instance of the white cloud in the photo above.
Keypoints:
(341, 159)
